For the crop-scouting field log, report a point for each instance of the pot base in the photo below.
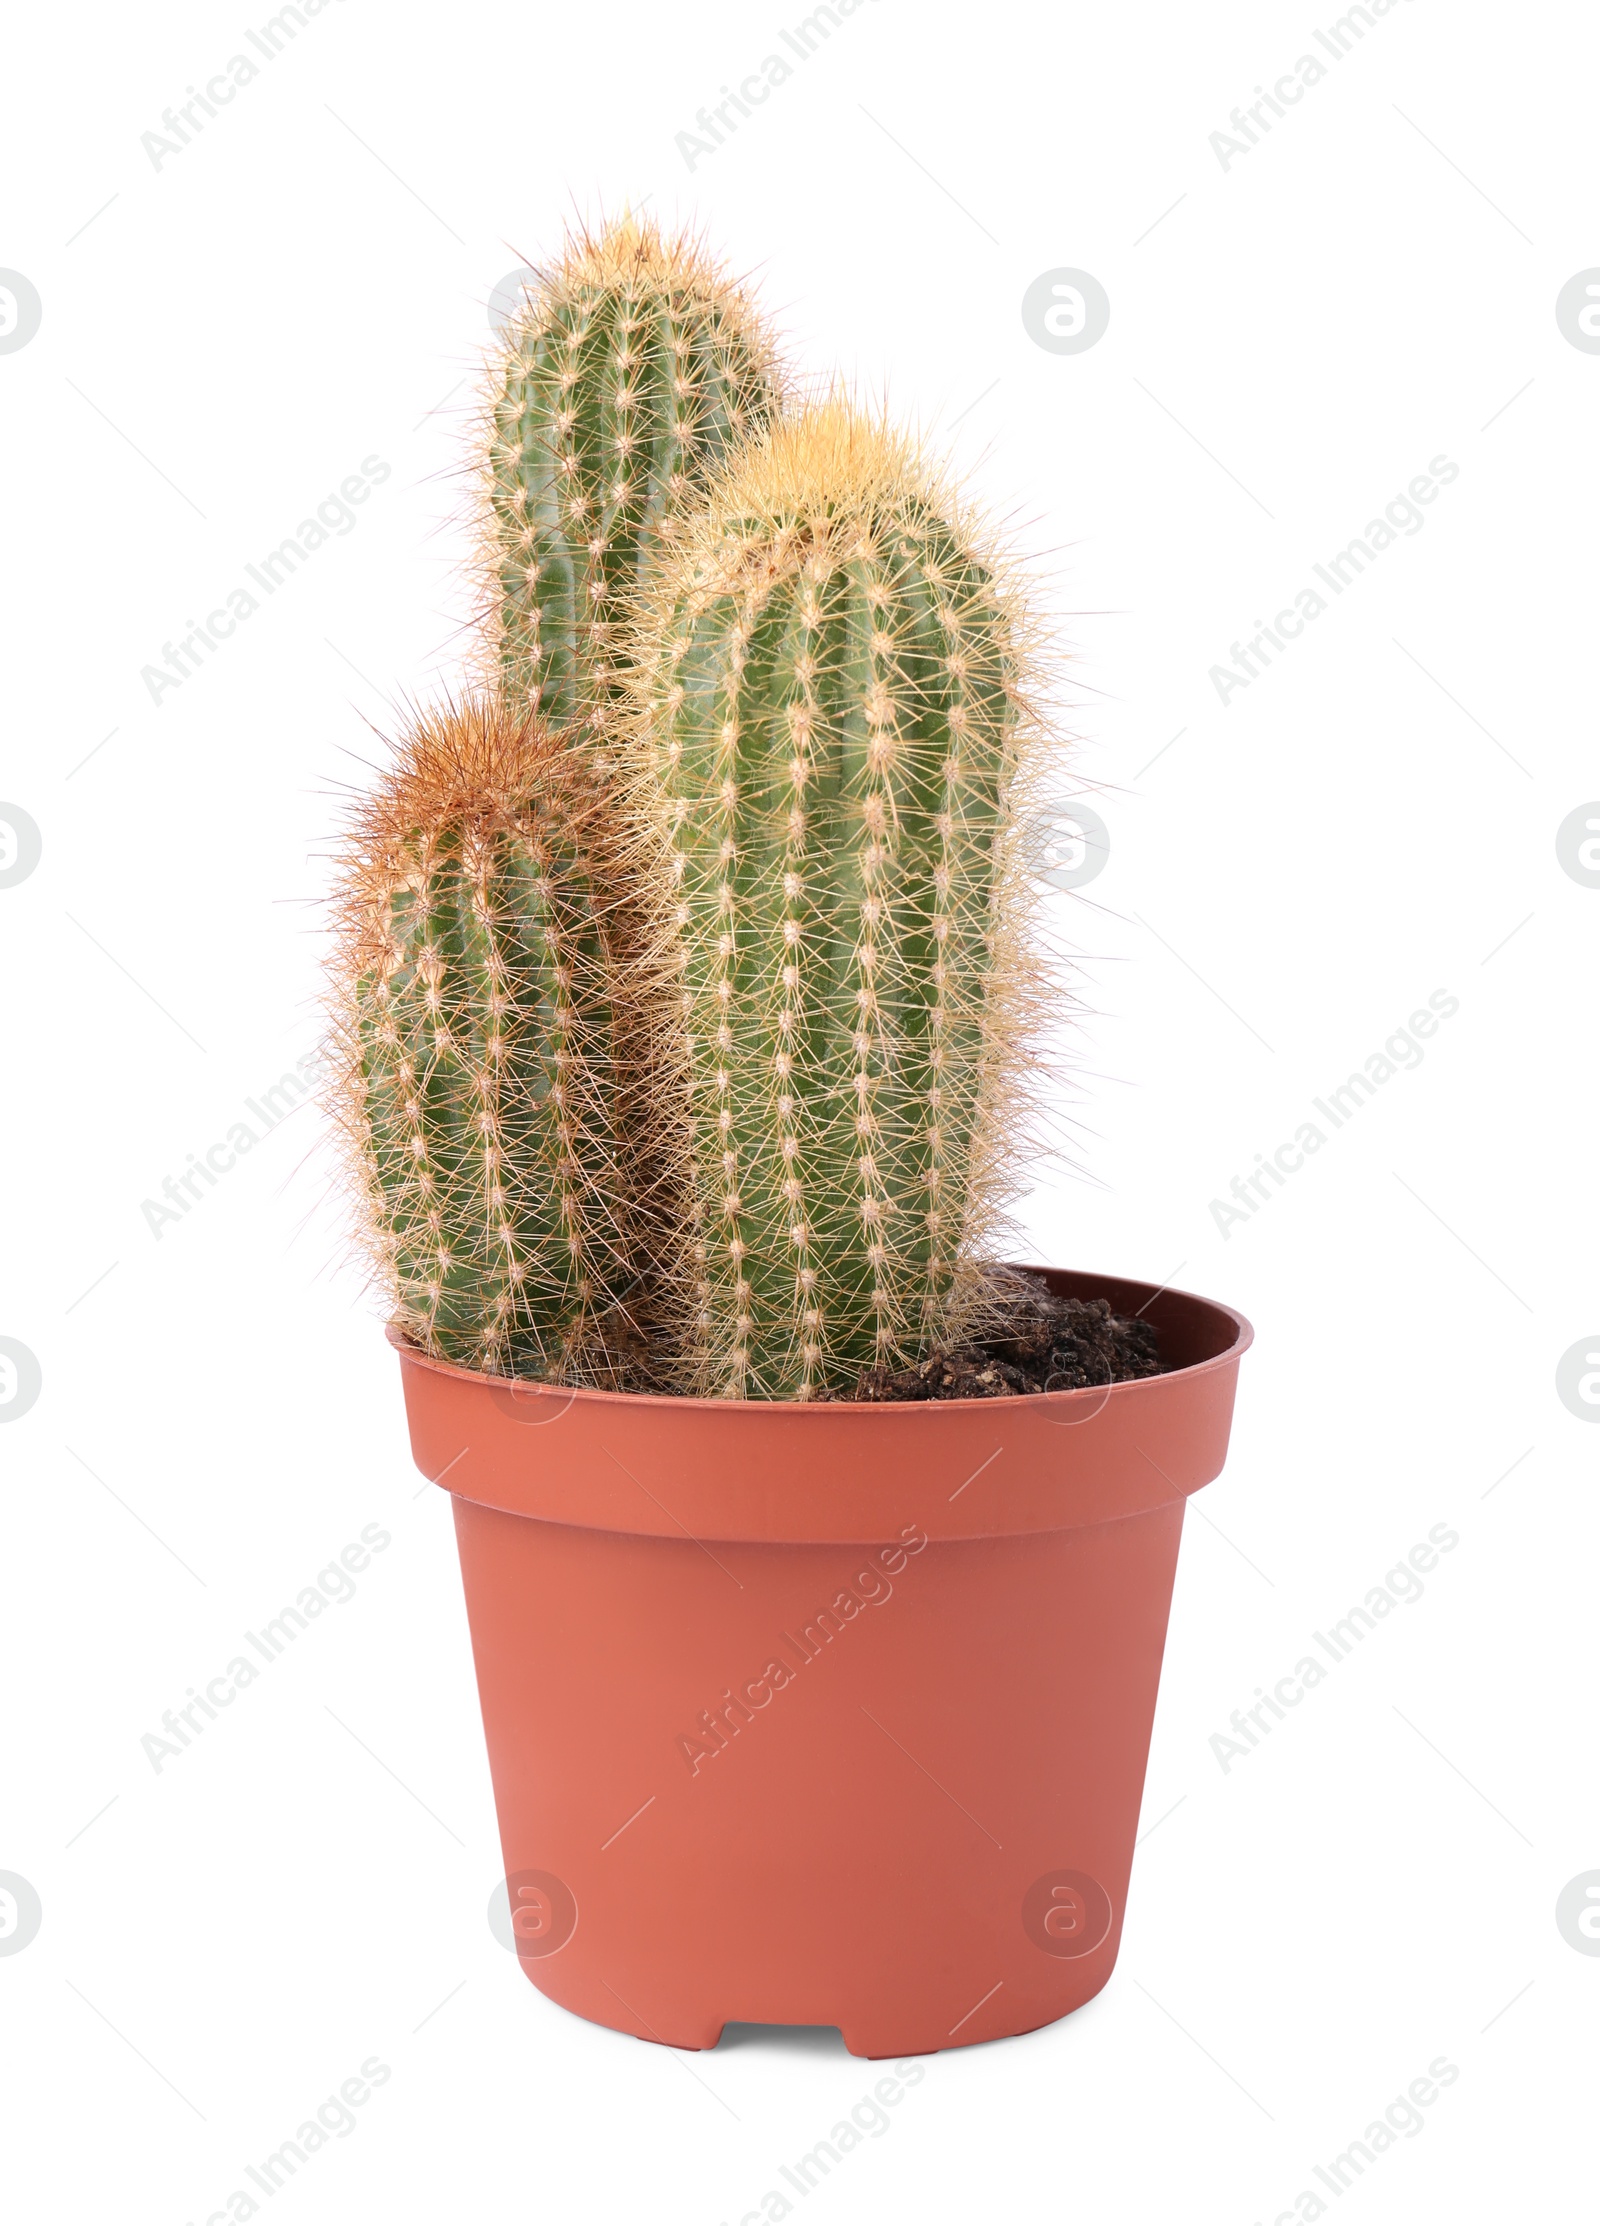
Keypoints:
(874, 2043)
(890, 1790)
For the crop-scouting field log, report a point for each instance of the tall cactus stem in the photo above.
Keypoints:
(835, 719)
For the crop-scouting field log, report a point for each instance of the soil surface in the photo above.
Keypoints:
(1035, 1341)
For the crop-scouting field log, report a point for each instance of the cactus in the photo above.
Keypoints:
(830, 710)
(498, 986)
(631, 370)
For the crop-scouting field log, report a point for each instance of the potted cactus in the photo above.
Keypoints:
(687, 1000)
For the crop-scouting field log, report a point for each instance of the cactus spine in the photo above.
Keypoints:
(499, 968)
(830, 708)
(632, 369)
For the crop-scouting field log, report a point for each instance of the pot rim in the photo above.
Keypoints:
(680, 1402)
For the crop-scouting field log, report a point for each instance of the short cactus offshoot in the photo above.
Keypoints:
(499, 984)
(632, 370)
(831, 709)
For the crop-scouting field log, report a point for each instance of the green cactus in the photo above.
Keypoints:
(830, 711)
(500, 971)
(630, 372)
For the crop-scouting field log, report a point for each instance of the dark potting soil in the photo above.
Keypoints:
(1033, 1340)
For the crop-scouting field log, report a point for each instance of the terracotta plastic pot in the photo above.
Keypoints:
(824, 1715)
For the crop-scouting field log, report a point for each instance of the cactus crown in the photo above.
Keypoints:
(501, 987)
(831, 707)
(631, 370)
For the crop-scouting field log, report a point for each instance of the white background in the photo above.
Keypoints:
(1292, 339)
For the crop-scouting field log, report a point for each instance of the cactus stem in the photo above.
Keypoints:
(507, 1046)
(833, 702)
